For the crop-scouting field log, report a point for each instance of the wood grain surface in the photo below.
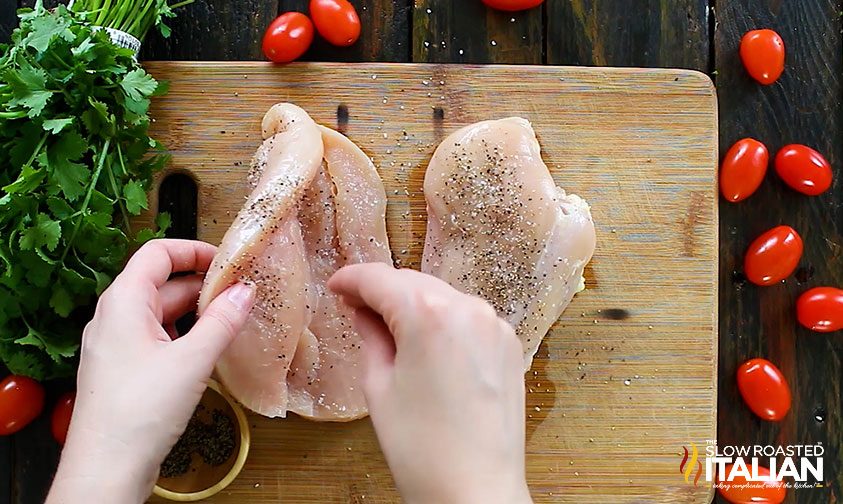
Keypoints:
(468, 32)
(627, 377)
(642, 33)
(700, 34)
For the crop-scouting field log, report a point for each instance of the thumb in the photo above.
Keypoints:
(219, 324)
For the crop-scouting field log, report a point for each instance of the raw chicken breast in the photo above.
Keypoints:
(264, 246)
(499, 228)
(343, 218)
(317, 204)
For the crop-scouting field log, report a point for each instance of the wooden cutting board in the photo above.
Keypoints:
(627, 377)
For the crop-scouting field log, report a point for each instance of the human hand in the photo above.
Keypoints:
(444, 382)
(137, 387)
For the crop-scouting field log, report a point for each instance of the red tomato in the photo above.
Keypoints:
(743, 169)
(755, 492)
(512, 5)
(803, 169)
(764, 389)
(336, 21)
(773, 256)
(821, 309)
(61, 416)
(288, 37)
(762, 53)
(21, 401)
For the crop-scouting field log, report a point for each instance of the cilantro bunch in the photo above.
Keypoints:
(76, 161)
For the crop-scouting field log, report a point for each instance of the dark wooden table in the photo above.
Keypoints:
(804, 106)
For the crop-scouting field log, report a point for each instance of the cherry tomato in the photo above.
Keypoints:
(753, 492)
(762, 53)
(821, 309)
(743, 169)
(773, 256)
(288, 37)
(803, 169)
(764, 389)
(336, 21)
(512, 5)
(61, 416)
(21, 401)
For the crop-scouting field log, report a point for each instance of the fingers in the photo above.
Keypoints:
(218, 325)
(178, 297)
(378, 345)
(377, 286)
(171, 331)
(158, 259)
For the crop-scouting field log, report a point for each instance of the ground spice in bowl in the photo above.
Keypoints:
(210, 453)
(214, 441)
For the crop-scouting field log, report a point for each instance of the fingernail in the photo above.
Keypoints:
(242, 296)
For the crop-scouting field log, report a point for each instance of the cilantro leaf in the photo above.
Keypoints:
(138, 84)
(97, 118)
(21, 361)
(44, 29)
(138, 107)
(60, 349)
(135, 196)
(29, 179)
(32, 338)
(70, 177)
(38, 272)
(29, 88)
(163, 221)
(61, 301)
(70, 145)
(84, 48)
(44, 232)
(55, 126)
(59, 208)
(145, 235)
(162, 89)
(100, 220)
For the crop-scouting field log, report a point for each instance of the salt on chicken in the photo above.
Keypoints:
(499, 228)
(317, 204)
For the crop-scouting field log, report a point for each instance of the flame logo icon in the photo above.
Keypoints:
(686, 467)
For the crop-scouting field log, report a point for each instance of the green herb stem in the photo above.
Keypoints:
(37, 149)
(87, 200)
(117, 196)
(135, 17)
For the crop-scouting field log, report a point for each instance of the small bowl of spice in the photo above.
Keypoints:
(210, 453)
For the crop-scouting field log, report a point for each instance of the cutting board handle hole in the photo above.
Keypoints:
(342, 118)
(178, 196)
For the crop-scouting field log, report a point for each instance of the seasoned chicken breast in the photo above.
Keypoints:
(343, 217)
(264, 246)
(317, 205)
(499, 228)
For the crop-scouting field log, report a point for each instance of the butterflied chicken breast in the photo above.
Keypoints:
(499, 227)
(317, 205)
(264, 246)
(343, 218)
